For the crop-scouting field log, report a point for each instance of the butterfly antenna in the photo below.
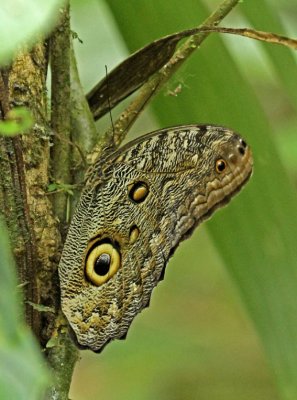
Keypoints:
(109, 106)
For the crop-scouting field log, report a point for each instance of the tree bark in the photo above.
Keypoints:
(23, 182)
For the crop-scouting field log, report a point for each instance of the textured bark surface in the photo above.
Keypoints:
(29, 209)
(60, 115)
(24, 179)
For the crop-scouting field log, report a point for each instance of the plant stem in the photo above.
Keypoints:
(60, 112)
(62, 357)
(83, 129)
(61, 354)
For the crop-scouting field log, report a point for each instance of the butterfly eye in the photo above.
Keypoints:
(220, 165)
(138, 191)
(102, 262)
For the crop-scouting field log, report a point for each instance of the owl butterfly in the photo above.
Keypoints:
(136, 207)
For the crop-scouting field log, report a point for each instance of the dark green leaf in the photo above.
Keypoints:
(256, 234)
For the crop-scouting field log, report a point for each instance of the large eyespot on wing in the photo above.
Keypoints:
(102, 262)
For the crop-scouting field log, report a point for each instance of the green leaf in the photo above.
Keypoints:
(60, 187)
(21, 21)
(256, 234)
(23, 373)
(18, 121)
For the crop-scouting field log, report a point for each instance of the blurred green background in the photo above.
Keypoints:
(227, 289)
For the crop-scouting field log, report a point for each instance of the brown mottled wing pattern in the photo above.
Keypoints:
(142, 201)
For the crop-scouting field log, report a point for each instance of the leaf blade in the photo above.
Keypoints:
(267, 264)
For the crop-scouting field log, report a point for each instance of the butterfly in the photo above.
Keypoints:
(137, 205)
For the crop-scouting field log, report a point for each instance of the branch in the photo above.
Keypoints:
(83, 129)
(134, 71)
(60, 112)
(268, 37)
(62, 357)
(159, 79)
(61, 353)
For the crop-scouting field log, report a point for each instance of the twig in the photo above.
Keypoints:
(268, 37)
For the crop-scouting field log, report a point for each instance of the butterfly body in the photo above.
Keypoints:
(137, 205)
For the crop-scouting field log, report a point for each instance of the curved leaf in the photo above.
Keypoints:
(256, 234)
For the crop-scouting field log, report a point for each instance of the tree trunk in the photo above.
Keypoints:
(24, 203)
(33, 215)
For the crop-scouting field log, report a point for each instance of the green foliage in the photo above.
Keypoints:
(18, 121)
(55, 187)
(21, 22)
(22, 372)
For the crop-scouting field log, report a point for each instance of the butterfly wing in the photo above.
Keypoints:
(136, 208)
